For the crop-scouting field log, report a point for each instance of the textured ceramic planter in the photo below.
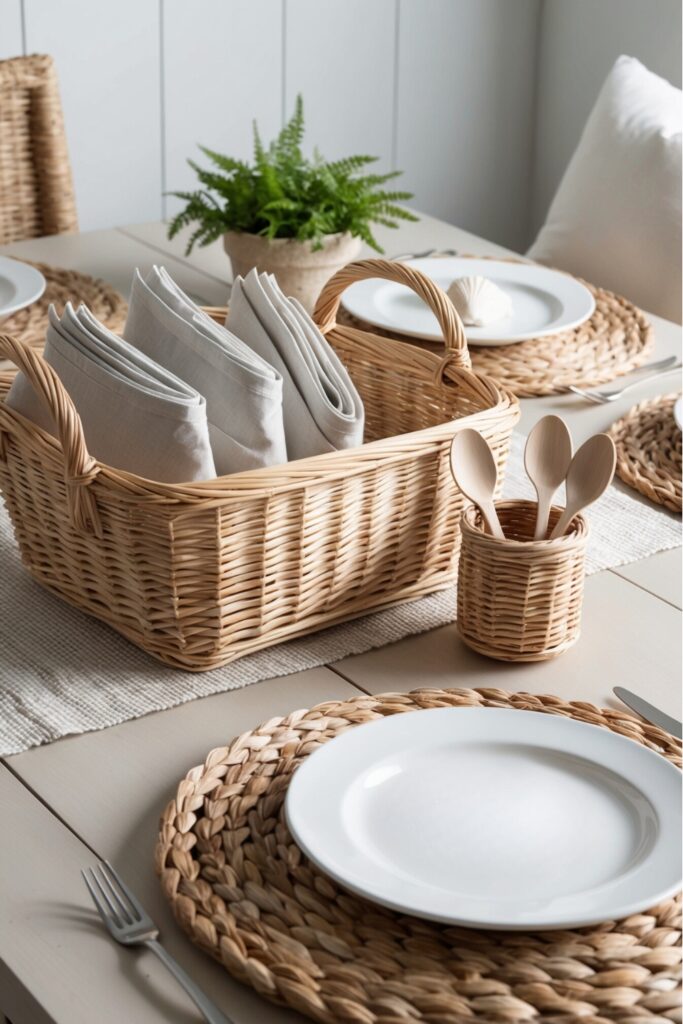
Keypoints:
(300, 270)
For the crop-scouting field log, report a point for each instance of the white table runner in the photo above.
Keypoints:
(62, 672)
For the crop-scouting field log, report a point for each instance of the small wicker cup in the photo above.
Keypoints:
(520, 599)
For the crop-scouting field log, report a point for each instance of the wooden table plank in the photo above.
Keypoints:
(210, 261)
(113, 256)
(629, 638)
(427, 233)
(110, 787)
(659, 574)
(584, 418)
(57, 964)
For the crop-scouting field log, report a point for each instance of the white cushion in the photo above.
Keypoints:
(616, 217)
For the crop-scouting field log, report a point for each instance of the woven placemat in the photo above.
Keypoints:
(30, 324)
(649, 451)
(245, 893)
(615, 340)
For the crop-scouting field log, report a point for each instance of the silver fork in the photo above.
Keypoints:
(421, 255)
(128, 922)
(601, 397)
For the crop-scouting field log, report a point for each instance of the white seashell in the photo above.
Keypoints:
(479, 301)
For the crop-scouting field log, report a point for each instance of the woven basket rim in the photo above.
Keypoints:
(253, 481)
(576, 535)
(31, 71)
(273, 479)
(452, 368)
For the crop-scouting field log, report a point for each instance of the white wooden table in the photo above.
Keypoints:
(100, 794)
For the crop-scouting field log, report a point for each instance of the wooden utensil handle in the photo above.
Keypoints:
(542, 516)
(492, 521)
(327, 306)
(562, 524)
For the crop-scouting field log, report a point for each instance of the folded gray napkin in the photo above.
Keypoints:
(243, 392)
(136, 415)
(322, 409)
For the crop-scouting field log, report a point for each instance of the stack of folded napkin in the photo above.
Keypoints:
(322, 410)
(135, 414)
(181, 398)
(243, 393)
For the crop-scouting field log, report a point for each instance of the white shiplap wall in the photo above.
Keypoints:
(340, 55)
(442, 89)
(107, 56)
(465, 109)
(11, 41)
(222, 68)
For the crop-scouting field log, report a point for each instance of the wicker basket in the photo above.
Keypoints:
(199, 574)
(520, 599)
(36, 185)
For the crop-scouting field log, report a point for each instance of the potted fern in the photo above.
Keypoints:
(300, 219)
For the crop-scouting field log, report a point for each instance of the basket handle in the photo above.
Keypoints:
(80, 468)
(327, 306)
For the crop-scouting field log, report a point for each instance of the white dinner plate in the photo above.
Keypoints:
(543, 301)
(678, 413)
(20, 285)
(492, 818)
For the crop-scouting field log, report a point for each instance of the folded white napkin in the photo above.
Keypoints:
(243, 392)
(136, 415)
(322, 409)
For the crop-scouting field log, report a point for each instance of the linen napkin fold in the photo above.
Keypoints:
(243, 391)
(322, 409)
(136, 415)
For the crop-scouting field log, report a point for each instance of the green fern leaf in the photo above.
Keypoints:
(284, 194)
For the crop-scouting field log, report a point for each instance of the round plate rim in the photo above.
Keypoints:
(26, 279)
(554, 722)
(424, 264)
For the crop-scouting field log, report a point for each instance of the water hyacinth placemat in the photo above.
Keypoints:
(649, 458)
(62, 672)
(242, 890)
(614, 340)
(61, 286)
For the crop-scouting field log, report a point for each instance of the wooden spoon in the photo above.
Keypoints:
(590, 473)
(474, 471)
(547, 457)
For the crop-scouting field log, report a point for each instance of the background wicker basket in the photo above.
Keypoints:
(520, 599)
(36, 185)
(199, 574)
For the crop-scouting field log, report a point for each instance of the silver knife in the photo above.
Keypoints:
(649, 712)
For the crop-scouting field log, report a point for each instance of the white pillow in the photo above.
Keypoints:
(616, 217)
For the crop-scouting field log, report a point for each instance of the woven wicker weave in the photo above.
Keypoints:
(36, 187)
(520, 599)
(200, 574)
(243, 891)
(616, 339)
(648, 443)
